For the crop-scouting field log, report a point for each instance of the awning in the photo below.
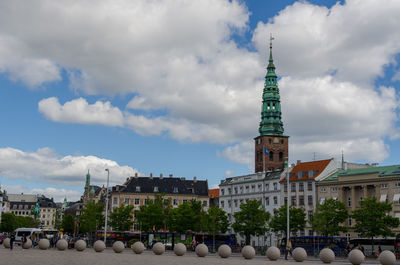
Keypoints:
(321, 201)
(383, 198)
(396, 198)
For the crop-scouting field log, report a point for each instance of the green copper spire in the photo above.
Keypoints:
(92, 191)
(271, 123)
(87, 180)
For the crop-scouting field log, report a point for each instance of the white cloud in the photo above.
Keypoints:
(58, 194)
(47, 167)
(80, 111)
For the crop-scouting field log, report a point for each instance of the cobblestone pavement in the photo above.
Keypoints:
(108, 257)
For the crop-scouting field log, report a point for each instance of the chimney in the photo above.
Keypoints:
(170, 176)
(298, 162)
(136, 175)
(161, 176)
(151, 175)
(194, 179)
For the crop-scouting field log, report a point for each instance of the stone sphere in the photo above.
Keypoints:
(118, 246)
(179, 249)
(158, 248)
(62, 244)
(356, 257)
(387, 258)
(201, 250)
(28, 244)
(248, 252)
(299, 254)
(224, 251)
(80, 245)
(99, 246)
(138, 247)
(327, 255)
(273, 253)
(6, 243)
(44, 243)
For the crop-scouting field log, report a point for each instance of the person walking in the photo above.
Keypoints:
(379, 249)
(12, 239)
(288, 249)
(23, 240)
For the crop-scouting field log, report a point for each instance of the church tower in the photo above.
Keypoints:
(271, 146)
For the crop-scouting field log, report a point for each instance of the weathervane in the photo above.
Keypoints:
(270, 40)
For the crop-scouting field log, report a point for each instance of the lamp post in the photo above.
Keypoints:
(288, 204)
(105, 225)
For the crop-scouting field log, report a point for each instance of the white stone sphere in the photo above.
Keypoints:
(99, 246)
(158, 248)
(28, 244)
(387, 258)
(138, 247)
(6, 242)
(62, 244)
(299, 254)
(118, 246)
(248, 252)
(179, 249)
(327, 255)
(44, 243)
(201, 250)
(224, 251)
(273, 253)
(80, 245)
(356, 257)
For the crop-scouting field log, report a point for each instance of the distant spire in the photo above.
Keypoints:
(87, 180)
(342, 160)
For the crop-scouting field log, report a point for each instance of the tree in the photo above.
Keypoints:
(329, 216)
(252, 219)
(372, 219)
(7, 222)
(68, 223)
(121, 218)
(189, 216)
(297, 219)
(57, 219)
(216, 222)
(92, 218)
(154, 214)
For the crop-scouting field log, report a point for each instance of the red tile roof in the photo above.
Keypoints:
(316, 166)
(213, 193)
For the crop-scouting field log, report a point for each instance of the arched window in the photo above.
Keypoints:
(271, 156)
(280, 156)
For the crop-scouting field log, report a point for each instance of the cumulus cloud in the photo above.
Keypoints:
(180, 57)
(46, 166)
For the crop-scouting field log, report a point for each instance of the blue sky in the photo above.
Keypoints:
(174, 87)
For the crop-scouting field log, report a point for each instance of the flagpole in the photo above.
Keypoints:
(264, 159)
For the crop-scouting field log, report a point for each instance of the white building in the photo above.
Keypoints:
(262, 186)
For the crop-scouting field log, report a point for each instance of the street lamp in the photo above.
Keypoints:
(288, 204)
(105, 225)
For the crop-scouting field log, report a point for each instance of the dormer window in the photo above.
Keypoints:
(191, 190)
(311, 173)
(155, 189)
(137, 188)
(175, 189)
(300, 174)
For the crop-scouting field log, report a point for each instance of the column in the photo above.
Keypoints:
(365, 191)
(340, 194)
(353, 198)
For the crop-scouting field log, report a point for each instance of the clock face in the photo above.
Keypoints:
(276, 141)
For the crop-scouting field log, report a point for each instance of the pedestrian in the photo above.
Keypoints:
(23, 240)
(12, 239)
(288, 249)
(379, 249)
(360, 247)
(348, 248)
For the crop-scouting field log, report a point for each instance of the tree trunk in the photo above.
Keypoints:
(213, 242)
(247, 239)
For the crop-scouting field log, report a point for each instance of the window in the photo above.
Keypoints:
(280, 156)
(285, 200)
(275, 200)
(241, 189)
(271, 156)
(300, 174)
(384, 186)
(310, 216)
(309, 186)
(115, 200)
(266, 200)
(229, 191)
(236, 203)
(137, 201)
(205, 203)
(310, 200)
(184, 201)
(175, 189)
(275, 186)
(349, 202)
(311, 173)
(155, 189)
(137, 188)
(146, 201)
(323, 189)
(266, 187)
(301, 200)
(293, 187)
(222, 204)
(259, 187)
(334, 189)
(247, 189)
(397, 184)
(126, 201)
(222, 192)
(301, 186)
(175, 201)
(253, 188)
(285, 187)
(236, 190)
(293, 203)
(350, 221)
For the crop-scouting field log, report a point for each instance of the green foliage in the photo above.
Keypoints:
(92, 218)
(121, 218)
(216, 221)
(154, 214)
(297, 219)
(189, 216)
(372, 219)
(57, 221)
(329, 216)
(252, 219)
(68, 223)
(10, 222)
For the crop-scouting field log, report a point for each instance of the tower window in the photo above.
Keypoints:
(271, 156)
(269, 140)
(280, 156)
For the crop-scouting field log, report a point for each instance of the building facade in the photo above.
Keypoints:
(47, 212)
(136, 191)
(351, 186)
(22, 204)
(214, 197)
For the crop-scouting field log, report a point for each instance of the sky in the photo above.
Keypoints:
(175, 86)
